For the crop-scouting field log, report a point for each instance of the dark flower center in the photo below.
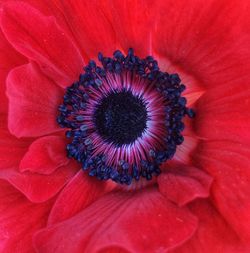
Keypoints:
(124, 118)
(121, 117)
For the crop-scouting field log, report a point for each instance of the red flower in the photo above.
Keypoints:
(199, 203)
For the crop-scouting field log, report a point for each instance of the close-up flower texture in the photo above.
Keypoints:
(124, 126)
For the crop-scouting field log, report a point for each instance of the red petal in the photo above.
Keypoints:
(45, 155)
(19, 220)
(11, 148)
(142, 222)
(9, 59)
(201, 39)
(184, 151)
(41, 39)
(113, 249)
(52, 8)
(133, 22)
(106, 26)
(213, 234)
(79, 193)
(182, 184)
(37, 187)
(194, 89)
(229, 164)
(223, 113)
(33, 102)
(90, 26)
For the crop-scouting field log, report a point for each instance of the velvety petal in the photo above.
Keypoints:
(33, 102)
(45, 155)
(141, 222)
(113, 249)
(80, 192)
(90, 27)
(19, 219)
(52, 8)
(133, 22)
(207, 41)
(9, 59)
(229, 164)
(223, 114)
(194, 88)
(37, 187)
(184, 151)
(41, 39)
(182, 184)
(11, 148)
(213, 233)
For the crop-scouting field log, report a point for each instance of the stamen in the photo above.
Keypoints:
(124, 118)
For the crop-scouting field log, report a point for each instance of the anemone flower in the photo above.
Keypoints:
(124, 126)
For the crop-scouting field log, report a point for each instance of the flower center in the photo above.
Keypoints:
(121, 117)
(124, 118)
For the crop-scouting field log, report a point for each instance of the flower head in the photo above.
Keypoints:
(124, 116)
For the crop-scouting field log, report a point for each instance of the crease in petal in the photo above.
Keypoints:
(11, 148)
(133, 22)
(9, 59)
(136, 216)
(183, 184)
(37, 187)
(214, 234)
(40, 39)
(113, 249)
(207, 40)
(228, 163)
(90, 27)
(222, 113)
(33, 102)
(80, 192)
(45, 155)
(19, 219)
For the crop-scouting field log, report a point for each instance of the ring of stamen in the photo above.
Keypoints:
(124, 118)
